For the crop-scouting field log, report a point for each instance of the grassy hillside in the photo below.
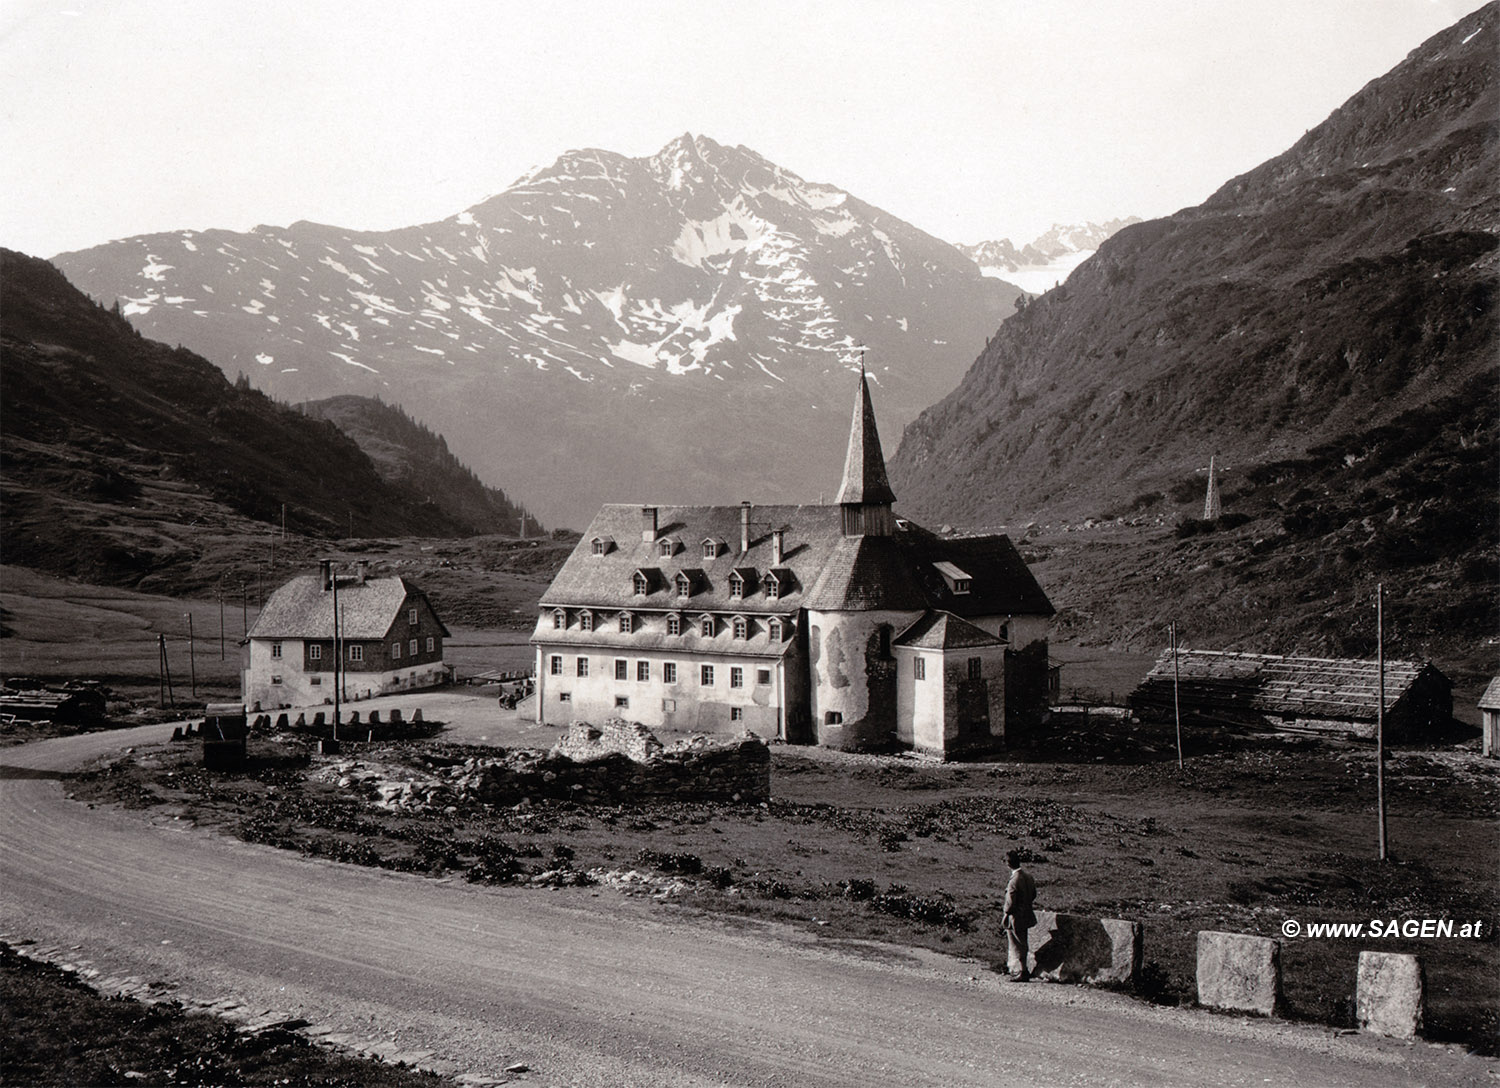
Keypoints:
(1326, 325)
(410, 455)
(126, 462)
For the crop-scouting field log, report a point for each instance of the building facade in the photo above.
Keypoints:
(389, 639)
(840, 624)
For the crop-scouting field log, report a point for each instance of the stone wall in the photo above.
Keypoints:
(1074, 948)
(620, 762)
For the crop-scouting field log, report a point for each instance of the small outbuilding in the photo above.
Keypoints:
(1338, 695)
(1489, 709)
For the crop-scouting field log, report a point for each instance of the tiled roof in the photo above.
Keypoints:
(938, 630)
(303, 609)
(864, 573)
(864, 480)
(1490, 700)
(830, 572)
(1311, 687)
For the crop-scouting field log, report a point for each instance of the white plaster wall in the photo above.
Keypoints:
(838, 663)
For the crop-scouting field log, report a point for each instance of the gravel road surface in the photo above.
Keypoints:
(586, 987)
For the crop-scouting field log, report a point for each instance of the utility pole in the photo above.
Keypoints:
(221, 617)
(283, 522)
(166, 672)
(244, 609)
(192, 662)
(338, 660)
(1176, 702)
(1380, 714)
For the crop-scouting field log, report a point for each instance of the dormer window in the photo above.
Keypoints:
(585, 620)
(706, 625)
(776, 582)
(684, 585)
(741, 627)
(667, 546)
(559, 618)
(642, 584)
(736, 586)
(773, 630)
(958, 581)
(603, 544)
(713, 548)
(627, 623)
(674, 623)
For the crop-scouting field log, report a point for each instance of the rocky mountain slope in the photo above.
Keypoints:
(119, 452)
(1326, 325)
(411, 456)
(1338, 285)
(667, 328)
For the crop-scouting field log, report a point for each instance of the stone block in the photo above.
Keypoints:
(395, 717)
(1074, 948)
(1240, 972)
(374, 717)
(416, 715)
(1390, 994)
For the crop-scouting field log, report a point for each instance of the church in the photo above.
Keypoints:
(841, 625)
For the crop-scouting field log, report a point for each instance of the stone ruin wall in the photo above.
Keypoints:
(619, 762)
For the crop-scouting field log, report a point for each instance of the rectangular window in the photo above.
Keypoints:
(276, 651)
(395, 651)
(622, 669)
(356, 653)
(918, 668)
(556, 668)
(315, 681)
(583, 666)
(275, 678)
(674, 624)
(627, 623)
(558, 619)
(736, 713)
(833, 717)
(622, 701)
(315, 653)
(669, 672)
(411, 617)
(564, 697)
(706, 675)
(669, 705)
(736, 676)
(585, 621)
(974, 668)
(411, 648)
(762, 676)
(431, 644)
(643, 671)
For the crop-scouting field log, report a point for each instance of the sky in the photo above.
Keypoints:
(971, 120)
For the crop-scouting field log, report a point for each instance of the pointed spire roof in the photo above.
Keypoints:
(865, 480)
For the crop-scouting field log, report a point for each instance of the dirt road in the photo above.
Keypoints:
(587, 988)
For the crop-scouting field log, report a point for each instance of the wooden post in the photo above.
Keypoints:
(338, 660)
(221, 618)
(244, 610)
(1380, 715)
(192, 661)
(166, 670)
(1176, 702)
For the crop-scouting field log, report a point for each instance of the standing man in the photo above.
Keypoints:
(1018, 917)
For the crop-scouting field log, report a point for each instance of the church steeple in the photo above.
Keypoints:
(865, 493)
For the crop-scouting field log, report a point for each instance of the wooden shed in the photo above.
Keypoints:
(1325, 694)
(1489, 709)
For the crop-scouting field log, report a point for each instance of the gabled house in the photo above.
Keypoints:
(840, 624)
(389, 639)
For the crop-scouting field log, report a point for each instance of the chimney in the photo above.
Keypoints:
(648, 524)
(326, 566)
(744, 527)
(778, 541)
